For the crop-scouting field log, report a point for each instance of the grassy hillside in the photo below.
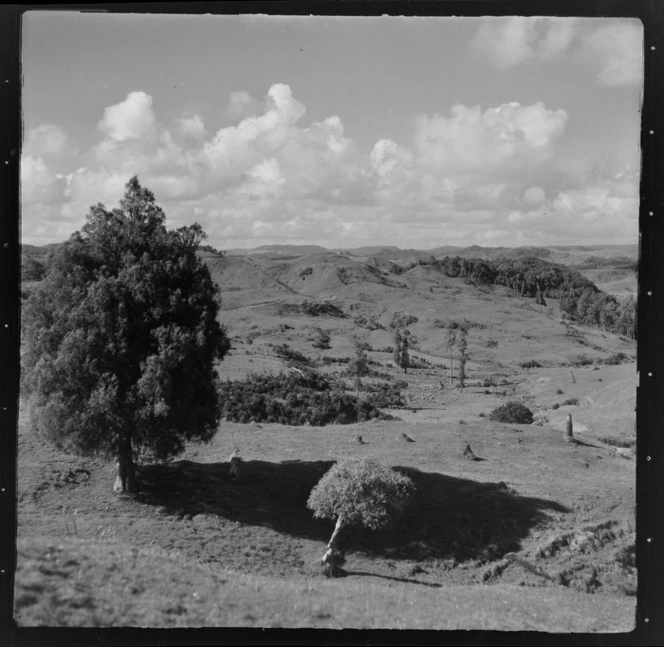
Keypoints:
(534, 533)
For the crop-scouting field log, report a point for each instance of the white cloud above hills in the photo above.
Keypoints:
(613, 50)
(478, 174)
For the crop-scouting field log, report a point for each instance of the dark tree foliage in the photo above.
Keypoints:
(121, 338)
(535, 278)
(513, 413)
(296, 399)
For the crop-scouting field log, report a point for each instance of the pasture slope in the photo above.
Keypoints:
(536, 534)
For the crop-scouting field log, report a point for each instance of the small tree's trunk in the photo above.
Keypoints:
(333, 558)
(451, 367)
(126, 480)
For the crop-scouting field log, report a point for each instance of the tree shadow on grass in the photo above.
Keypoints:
(450, 517)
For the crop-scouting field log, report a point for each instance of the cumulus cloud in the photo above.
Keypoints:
(192, 127)
(614, 46)
(473, 175)
(502, 140)
(505, 42)
(46, 140)
(241, 104)
(132, 118)
(617, 49)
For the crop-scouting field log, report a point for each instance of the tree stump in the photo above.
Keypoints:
(234, 469)
(569, 433)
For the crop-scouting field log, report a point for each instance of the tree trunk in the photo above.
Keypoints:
(126, 480)
(451, 368)
(333, 558)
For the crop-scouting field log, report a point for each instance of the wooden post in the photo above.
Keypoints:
(569, 435)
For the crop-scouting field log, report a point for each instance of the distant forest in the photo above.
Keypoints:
(532, 277)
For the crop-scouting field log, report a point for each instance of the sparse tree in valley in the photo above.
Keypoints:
(359, 365)
(396, 355)
(358, 492)
(121, 338)
(404, 356)
(463, 356)
(451, 341)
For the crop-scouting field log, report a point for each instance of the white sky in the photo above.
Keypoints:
(416, 132)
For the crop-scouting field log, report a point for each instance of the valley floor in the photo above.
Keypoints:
(536, 535)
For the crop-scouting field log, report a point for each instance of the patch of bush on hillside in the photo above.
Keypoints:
(292, 399)
(285, 352)
(531, 363)
(491, 343)
(312, 309)
(385, 395)
(512, 413)
(615, 359)
(370, 372)
(368, 323)
(614, 441)
(402, 320)
(464, 324)
(570, 401)
(581, 360)
(419, 362)
(327, 360)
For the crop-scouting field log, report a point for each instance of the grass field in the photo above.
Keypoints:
(537, 534)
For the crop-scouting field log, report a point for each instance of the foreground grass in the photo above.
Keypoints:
(74, 582)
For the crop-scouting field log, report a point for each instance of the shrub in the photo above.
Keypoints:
(312, 309)
(571, 401)
(491, 343)
(291, 355)
(294, 399)
(582, 360)
(625, 443)
(613, 360)
(512, 412)
(530, 364)
(559, 391)
(359, 492)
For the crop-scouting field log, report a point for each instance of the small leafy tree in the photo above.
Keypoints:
(463, 356)
(121, 338)
(321, 339)
(405, 357)
(359, 492)
(451, 341)
(359, 365)
(397, 348)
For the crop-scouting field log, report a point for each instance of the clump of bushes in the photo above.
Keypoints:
(513, 413)
(614, 360)
(402, 320)
(326, 359)
(312, 309)
(625, 443)
(369, 323)
(582, 360)
(491, 343)
(294, 399)
(530, 364)
(285, 352)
